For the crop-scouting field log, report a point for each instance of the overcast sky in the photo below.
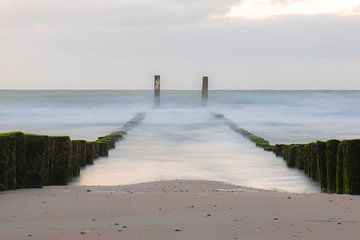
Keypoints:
(118, 44)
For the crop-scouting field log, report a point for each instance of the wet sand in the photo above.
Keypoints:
(175, 210)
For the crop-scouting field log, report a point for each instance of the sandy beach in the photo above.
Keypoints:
(175, 210)
(179, 120)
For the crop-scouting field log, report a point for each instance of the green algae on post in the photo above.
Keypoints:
(299, 161)
(340, 169)
(351, 166)
(314, 174)
(118, 135)
(82, 153)
(90, 152)
(76, 157)
(292, 155)
(321, 164)
(49, 163)
(12, 163)
(109, 139)
(16, 178)
(36, 155)
(103, 148)
(306, 159)
(96, 145)
(331, 156)
(62, 156)
(278, 150)
(5, 155)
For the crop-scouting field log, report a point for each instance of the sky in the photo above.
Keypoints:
(239, 44)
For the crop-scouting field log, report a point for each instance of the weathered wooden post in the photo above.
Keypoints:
(157, 91)
(204, 93)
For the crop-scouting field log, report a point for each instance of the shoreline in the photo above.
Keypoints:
(236, 187)
(178, 209)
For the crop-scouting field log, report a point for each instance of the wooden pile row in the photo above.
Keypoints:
(259, 141)
(34, 161)
(334, 164)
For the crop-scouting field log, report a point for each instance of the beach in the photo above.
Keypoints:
(181, 209)
(179, 120)
(229, 188)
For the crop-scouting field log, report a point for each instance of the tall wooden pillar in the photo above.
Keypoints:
(157, 91)
(205, 91)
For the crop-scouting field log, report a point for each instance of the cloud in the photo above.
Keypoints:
(122, 44)
(110, 13)
(262, 9)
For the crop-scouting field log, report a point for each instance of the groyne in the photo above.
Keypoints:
(34, 161)
(335, 164)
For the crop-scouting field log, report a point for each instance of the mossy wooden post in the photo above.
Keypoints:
(278, 149)
(15, 152)
(299, 163)
(306, 157)
(90, 152)
(351, 166)
(294, 151)
(286, 153)
(103, 148)
(110, 140)
(71, 161)
(62, 157)
(36, 150)
(205, 91)
(49, 163)
(313, 162)
(76, 157)
(321, 164)
(331, 155)
(340, 169)
(157, 91)
(82, 153)
(290, 154)
(96, 149)
(11, 162)
(5, 155)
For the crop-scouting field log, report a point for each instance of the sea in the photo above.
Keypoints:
(182, 139)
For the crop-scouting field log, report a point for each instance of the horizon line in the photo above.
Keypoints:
(105, 89)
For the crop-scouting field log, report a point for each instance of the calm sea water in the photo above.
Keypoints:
(182, 140)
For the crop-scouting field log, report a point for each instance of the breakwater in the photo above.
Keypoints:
(335, 164)
(34, 161)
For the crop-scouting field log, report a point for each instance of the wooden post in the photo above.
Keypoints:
(204, 93)
(157, 91)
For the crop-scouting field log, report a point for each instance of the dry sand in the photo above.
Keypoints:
(175, 210)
